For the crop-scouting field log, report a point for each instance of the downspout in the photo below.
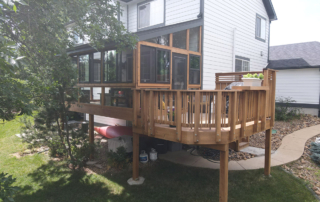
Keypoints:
(234, 50)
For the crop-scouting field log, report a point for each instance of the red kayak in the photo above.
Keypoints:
(114, 131)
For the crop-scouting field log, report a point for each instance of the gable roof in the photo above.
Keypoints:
(270, 9)
(295, 56)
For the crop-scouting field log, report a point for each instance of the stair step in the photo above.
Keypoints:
(243, 145)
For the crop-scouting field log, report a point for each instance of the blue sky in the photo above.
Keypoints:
(298, 21)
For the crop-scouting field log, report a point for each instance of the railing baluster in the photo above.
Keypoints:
(142, 95)
(273, 98)
(196, 117)
(257, 108)
(135, 107)
(244, 113)
(178, 114)
(233, 114)
(170, 108)
(218, 116)
(146, 110)
(152, 108)
(264, 109)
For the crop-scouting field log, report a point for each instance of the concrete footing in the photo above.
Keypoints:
(136, 182)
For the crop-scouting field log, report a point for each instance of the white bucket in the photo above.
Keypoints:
(143, 158)
(153, 155)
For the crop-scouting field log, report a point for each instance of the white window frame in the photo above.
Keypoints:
(146, 4)
(155, 12)
(262, 33)
(243, 64)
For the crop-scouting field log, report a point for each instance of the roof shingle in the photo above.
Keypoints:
(293, 56)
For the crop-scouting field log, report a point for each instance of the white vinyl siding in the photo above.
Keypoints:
(220, 19)
(302, 85)
(178, 11)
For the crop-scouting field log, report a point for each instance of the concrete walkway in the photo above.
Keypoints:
(291, 149)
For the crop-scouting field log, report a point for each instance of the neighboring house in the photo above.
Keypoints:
(298, 76)
(193, 38)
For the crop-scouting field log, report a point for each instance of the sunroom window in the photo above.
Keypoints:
(118, 67)
(84, 68)
(96, 67)
(162, 40)
(150, 13)
(154, 65)
(194, 69)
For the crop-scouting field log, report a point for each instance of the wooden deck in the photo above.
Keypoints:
(211, 118)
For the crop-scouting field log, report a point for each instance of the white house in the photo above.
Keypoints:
(298, 76)
(225, 36)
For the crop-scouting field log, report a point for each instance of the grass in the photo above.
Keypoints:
(43, 180)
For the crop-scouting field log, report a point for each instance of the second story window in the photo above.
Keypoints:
(150, 14)
(242, 64)
(260, 28)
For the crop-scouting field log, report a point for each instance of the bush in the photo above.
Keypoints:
(315, 149)
(283, 111)
(118, 159)
(6, 189)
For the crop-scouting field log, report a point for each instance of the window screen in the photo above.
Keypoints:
(147, 64)
(194, 69)
(163, 66)
(84, 68)
(180, 39)
(96, 67)
(154, 65)
(194, 39)
(162, 40)
(110, 65)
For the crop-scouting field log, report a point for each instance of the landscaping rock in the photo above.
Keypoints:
(305, 168)
(283, 129)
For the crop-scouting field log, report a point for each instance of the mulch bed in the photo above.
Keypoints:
(305, 168)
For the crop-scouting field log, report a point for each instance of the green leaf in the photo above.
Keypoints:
(14, 8)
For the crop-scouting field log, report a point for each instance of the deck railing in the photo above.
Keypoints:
(213, 110)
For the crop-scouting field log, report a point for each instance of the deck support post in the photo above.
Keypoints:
(223, 182)
(135, 161)
(91, 132)
(136, 179)
(267, 162)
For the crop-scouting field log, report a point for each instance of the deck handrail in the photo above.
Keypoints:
(214, 110)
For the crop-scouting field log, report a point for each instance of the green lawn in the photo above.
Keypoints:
(43, 180)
